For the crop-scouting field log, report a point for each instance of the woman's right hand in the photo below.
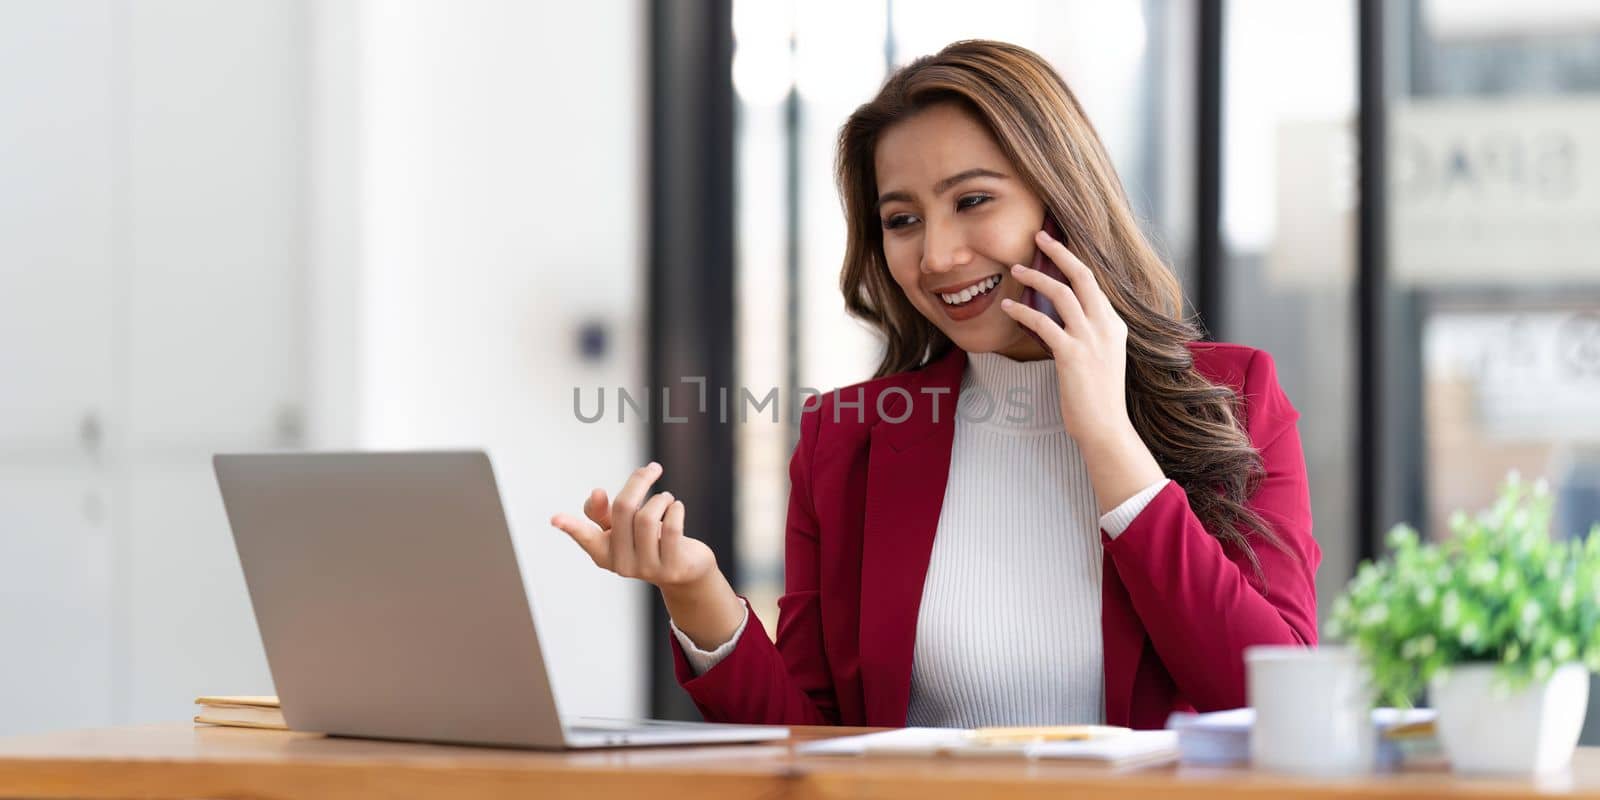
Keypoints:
(642, 538)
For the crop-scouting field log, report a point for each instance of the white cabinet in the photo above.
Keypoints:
(217, 247)
(217, 119)
(152, 312)
(58, 355)
(58, 226)
(55, 598)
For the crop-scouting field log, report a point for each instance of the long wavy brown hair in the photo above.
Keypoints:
(1191, 425)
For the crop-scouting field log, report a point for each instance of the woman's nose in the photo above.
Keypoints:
(943, 249)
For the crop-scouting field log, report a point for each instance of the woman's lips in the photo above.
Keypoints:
(973, 307)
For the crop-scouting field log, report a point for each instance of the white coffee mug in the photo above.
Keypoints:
(1313, 710)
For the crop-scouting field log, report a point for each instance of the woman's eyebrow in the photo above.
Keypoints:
(944, 185)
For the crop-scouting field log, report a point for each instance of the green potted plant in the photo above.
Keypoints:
(1500, 623)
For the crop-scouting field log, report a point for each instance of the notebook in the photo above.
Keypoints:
(240, 711)
(1110, 746)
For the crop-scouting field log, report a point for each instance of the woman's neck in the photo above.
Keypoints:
(1024, 348)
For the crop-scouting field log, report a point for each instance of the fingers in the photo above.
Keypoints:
(647, 535)
(588, 536)
(1059, 294)
(598, 508)
(671, 538)
(625, 535)
(1054, 336)
(1082, 278)
(624, 560)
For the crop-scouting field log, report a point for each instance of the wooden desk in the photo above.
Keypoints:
(178, 760)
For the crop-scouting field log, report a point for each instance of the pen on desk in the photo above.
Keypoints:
(1044, 733)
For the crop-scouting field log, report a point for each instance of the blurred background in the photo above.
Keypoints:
(384, 224)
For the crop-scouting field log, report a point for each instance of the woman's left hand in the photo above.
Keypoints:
(1090, 346)
(1091, 355)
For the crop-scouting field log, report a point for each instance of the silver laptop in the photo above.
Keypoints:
(391, 606)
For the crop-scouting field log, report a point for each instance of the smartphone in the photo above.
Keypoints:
(1043, 263)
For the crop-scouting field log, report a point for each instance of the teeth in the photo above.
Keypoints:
(970, 292)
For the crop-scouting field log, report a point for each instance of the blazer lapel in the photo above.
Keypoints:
(907, 468)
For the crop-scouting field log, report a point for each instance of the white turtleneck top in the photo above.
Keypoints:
(1008, 630)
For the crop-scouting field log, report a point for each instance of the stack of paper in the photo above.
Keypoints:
(1220, 737)
(1223, 737)
(1134, 747)
(1110, 746)
(1406, 736)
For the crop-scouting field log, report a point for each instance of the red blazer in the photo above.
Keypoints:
(1177, 607)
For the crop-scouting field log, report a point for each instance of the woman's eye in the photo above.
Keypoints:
(901, 220)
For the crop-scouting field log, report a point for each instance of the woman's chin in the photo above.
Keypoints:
(1004, 335)
(1019, 347)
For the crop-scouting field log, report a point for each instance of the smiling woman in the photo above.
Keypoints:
(957, 224)
(946, 178)
(1106, 555)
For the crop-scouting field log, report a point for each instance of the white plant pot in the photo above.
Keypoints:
(1486, 729)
